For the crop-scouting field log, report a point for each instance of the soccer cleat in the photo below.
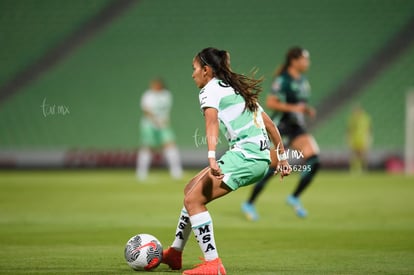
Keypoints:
(297, 206)
(172, 258)
(249, 211)
(214, 267)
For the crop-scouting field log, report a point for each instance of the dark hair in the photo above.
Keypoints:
(219, 61)
(293, 53)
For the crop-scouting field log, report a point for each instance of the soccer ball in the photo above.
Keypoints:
(143, 252)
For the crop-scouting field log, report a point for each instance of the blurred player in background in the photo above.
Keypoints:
(359, 138)
(288, 100)
(155, 131)
(229, 103)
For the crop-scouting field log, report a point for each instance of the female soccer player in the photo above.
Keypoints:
(288, 99)
(155, 130)
(229, 102)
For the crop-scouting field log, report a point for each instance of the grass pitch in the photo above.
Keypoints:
(79, 221)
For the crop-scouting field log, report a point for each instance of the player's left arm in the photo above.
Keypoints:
(282, 164)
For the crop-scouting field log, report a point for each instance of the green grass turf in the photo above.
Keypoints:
(78, 222)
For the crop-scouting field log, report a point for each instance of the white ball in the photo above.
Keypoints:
(143, 252)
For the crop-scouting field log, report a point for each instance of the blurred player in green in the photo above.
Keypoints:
(155, 131)
(288, 99)
(359, 138)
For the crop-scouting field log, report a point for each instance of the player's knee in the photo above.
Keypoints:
(187, 203)
(186, 189)
(190, 202)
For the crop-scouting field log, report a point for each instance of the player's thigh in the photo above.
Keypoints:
(360, 151)
(166, 136)
(195, 179)
(204, 188)
(307, 144)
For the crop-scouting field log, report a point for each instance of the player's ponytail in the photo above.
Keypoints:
(219, 61)
(293, 53)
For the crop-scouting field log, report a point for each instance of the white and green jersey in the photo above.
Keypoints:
(158, 104)
(244, 130)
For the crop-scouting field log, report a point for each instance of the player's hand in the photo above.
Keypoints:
(160, 123)
(283, 168)
(300, 108)
(215, 169)
(311, 112)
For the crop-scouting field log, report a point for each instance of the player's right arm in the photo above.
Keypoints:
(209, 104)
(276, 100)
(145, 106)
(146, 109)
(273, 103)
(212, 132)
